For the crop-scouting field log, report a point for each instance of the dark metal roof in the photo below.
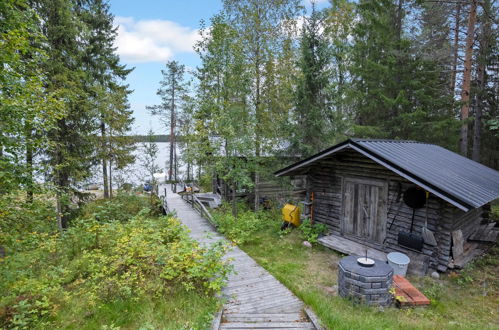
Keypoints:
(454, 178)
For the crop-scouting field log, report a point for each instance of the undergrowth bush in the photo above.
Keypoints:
(310, 232)
(102, 257)
(241, 229)
(121, 208)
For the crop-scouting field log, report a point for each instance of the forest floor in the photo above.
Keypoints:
(464, 299)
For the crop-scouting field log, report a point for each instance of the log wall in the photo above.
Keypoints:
(325, 181)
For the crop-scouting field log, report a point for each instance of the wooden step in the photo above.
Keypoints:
(267, 325)
(406, 294)
(252, 318)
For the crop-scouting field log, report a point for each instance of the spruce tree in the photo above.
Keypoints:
(396, 90)
(106, 76)
(313, 128)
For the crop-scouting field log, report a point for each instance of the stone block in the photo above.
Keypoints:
(375, 279)
(355, 276)
(372, 291)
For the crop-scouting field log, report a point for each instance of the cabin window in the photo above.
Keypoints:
(364, 208)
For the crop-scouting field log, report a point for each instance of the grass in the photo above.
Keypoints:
(468, 299)
(180, 310)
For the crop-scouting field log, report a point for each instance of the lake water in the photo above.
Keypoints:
(135, 173)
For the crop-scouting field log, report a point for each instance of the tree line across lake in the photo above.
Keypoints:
(276, 82)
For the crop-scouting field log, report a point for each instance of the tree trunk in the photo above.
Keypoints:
(104, 159)
(172, 129)
(61, 177)
(110, 178)
(234, 203)
(465, 93)
(175, 163)
(481, 83)
(453, 72)
(59, 212)
(29, 164)
(257, 129)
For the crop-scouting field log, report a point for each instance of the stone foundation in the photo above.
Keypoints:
(369, 285)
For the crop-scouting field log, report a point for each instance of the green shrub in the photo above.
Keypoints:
(241, 229)
(103, 257)
(20, 222)
(120, 208)
(310, 232)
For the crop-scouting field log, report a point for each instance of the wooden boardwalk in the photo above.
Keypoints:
(255, 299)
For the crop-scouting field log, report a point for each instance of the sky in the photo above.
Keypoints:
(152, 32)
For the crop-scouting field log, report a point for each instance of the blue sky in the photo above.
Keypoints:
(151, 32)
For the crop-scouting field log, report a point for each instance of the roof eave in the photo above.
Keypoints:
(427, 186)
(312, 159)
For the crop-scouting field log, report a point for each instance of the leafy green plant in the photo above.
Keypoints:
(241, 229)
(104, 256)
(310, 232)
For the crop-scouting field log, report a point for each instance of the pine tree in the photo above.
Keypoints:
(465, 89)
(172, 90)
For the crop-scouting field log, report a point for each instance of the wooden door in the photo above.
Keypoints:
(364, 209)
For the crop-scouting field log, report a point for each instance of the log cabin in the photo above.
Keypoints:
(381, 196)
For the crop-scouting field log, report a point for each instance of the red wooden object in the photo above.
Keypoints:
(406, 294)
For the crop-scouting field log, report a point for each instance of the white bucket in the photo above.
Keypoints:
(399, 262)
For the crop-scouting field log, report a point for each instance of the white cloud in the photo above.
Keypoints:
(152, 40)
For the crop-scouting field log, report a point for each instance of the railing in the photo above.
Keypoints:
(163, 199)
(181, 183)
(196, 204)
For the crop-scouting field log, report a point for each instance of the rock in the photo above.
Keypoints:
(435, 275)
(331, 290)
(307, 244)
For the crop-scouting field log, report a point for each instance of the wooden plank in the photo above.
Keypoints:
(215, 324)
(269, 296)
(406, 294)
(256, 288)
(347, 246)
(485, 233)
(470, 251)
(297, 306)
(268, 325)
(252, 305)
(256, 317)
(239, 283)
(457, 243)
(313, 318)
